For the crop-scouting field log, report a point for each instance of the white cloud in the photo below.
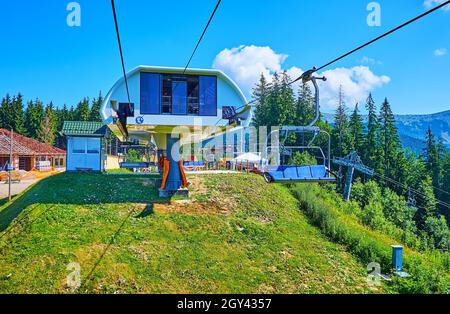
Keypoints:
(432, 3)
(245, 64)
(357, 82)
(440, 52)
(369, 61)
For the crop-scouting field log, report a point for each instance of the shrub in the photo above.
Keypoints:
(429, 273)
(438, 231)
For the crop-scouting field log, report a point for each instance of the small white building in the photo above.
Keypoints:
(85, 145)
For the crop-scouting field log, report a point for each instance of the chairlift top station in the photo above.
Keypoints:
(163, 98)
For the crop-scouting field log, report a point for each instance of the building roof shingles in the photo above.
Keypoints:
(26, 146)
(84, 128)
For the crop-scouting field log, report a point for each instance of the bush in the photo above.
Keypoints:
(437, 230)
(429, 273)
(363, 247)
(396, 210)
(372, 215)
(133, 156)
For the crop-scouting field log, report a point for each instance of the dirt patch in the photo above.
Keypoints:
(197, 185)
(186, 207)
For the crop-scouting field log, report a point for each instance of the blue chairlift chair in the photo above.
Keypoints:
(301, 173)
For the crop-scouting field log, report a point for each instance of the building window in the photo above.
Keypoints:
(79, 145)
(93, 146)
(179, 94)
(61, 162)
(150, 93)
(208, 95)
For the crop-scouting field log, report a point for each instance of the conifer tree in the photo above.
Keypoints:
(372, 141)
(95, 109)
(82, 110)
(72, 115)
(340, 131)
(62, 115)
(286, 102)
(389, 141)
(432, 158)
(17, 115)
(34, 115)
(45, 133)
(426, 203)
(6, 114)
(305, 105)
(356, 127)
(260, 93)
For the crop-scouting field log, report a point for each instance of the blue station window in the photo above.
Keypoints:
(208, 95)
(179, 97)
(150, 93)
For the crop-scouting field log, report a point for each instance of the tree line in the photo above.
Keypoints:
(44, 122)
(423, 179)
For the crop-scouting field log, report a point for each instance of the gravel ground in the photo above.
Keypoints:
(16, 188)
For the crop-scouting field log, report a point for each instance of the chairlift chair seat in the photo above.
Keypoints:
(292, 174)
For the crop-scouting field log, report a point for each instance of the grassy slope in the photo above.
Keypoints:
(235, 235)
(429, 270)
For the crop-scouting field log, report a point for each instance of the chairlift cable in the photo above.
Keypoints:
(121, 52)
(385, 34)
(360, 47)
(424, 196)
(203, 34)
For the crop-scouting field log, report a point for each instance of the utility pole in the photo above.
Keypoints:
(11, 163)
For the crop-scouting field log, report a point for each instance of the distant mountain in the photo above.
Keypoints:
(412, 128)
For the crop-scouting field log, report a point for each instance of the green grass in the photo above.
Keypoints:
(235, 235)
(429, 271)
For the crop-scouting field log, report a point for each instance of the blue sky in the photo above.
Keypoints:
(42, 57)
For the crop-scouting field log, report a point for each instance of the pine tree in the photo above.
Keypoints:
(432, 158)
(260, 93)
(82, 110)
(72, 115)
(34, 115)
(45, 133)
(305, 105)
(446, 181)
(6, 113)
(286, 102)
(95, 109)
(50, 114)
(372, 141)
(426, 203)
(389, 141)
(356, 127)
(272, 114)
(341, 131)
(63, 115)
(17, 115)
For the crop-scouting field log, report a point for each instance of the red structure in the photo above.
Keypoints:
(29, 154)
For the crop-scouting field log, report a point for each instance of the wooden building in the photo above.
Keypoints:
(29, 154)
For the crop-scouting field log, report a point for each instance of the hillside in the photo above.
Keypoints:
(235, 235)
(412, 128)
